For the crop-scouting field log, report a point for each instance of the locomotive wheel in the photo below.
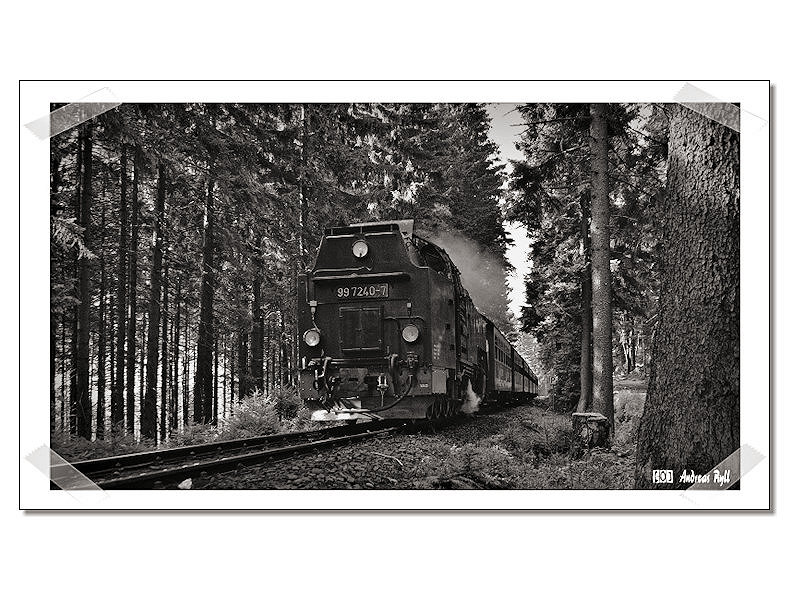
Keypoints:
(430, 412)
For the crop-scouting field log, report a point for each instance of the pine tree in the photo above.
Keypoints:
(116, 402)
(148, 415)
(601, 298)
(550, 190)
(82, 401)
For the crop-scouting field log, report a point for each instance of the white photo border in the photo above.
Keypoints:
(751, 96)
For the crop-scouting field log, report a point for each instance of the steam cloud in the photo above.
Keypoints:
(471, 400)
(484, 277)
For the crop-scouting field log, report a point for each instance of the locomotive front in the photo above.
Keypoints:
(366, 311)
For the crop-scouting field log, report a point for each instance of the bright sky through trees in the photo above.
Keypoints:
(503, 117)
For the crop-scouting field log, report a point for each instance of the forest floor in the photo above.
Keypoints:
(525, 447)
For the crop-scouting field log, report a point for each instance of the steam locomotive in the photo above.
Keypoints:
(389, 331)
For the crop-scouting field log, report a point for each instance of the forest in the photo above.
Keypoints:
(178, 232)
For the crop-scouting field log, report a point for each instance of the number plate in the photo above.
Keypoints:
(363, 291)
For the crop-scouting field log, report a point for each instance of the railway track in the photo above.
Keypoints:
(167, 466)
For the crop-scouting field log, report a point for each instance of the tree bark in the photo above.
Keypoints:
(83, 402)
(256, 337)
(243, 369)
(73, 347)
(691, 419)
(54, 188)
(232, 378)
(116, 401)
(203, 371)
(176, 354)
(163, 408)
(215, 387)
(148, 416)
(187, 376)
(131, 337)
(585, 365)
(63, 376)
(602, 390)
(101, 381)
(111, 348)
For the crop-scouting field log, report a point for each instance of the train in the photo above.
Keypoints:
(388, 331)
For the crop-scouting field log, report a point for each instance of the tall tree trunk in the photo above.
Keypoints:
(176, 355)
(692, 411)
(585, 367)
(163, 409)
(215, 387)
(284, 356)
(101, 382)
(131, 337)
(83, 405)
(256, 338)
(142, 347)
(148, 416)
(111, 347)
(116, 401)
(225, 376)
(187, 376)
(75, 316)
(602, 390)
(54, 188)
(53, 343)
(203, 371)
(63, 375)
(243, 368)
(232, 378)
(267, 367)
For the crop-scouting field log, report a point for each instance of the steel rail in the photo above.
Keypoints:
(176, 471)
(95, 467)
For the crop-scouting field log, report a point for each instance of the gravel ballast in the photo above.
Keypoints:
(525, 447)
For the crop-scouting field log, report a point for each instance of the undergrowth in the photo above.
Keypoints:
(532, 451)
(259, 414)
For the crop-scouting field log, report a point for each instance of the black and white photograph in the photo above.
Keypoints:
(395, 295)
(405, 296)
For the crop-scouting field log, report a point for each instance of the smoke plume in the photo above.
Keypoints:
(483, 276)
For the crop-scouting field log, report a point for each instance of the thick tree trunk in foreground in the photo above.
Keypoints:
(602, 394)
(116, 397)
(203, 372)
(83, 413)
(692, 412)
(148, 416)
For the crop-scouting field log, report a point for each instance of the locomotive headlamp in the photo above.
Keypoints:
(312, 337)
(360, 248)
(410, 333)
